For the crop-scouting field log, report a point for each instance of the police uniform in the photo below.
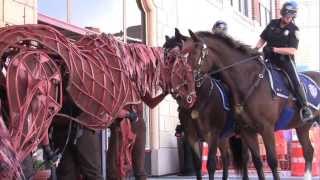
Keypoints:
(283, 37)
(277, 36)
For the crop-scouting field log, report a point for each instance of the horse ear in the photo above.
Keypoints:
(167, 37)
(178, 35)
(193, 36)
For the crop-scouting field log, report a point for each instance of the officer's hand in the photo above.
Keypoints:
(268, 51)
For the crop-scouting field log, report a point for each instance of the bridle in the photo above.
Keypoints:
(198, 76)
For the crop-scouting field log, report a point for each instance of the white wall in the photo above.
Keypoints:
(308, 23)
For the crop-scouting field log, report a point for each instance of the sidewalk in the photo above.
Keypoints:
(284, 175)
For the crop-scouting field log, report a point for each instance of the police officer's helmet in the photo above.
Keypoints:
(220, 26)
(289, 9)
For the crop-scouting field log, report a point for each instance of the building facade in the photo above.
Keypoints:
(18, 12)
(148, 21)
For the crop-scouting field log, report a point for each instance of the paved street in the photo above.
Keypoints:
(284, 175)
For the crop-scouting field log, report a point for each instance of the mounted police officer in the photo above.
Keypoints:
(220, 27)
(281, 39)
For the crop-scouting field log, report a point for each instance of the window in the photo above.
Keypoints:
(118, 17)
(265, 12)
(243, 7)
(56, 9)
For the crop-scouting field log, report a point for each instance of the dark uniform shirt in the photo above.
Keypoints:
(275, 36)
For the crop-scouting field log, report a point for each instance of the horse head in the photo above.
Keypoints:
(183, 84)
(217, 52)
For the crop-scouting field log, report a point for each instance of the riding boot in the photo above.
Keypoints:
(305, 111)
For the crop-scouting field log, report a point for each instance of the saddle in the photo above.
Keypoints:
(281, 86)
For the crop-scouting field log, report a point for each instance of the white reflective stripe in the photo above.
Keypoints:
(204, 144)
(297, 160)
(301, 160)
(204, 158)
(307, 175)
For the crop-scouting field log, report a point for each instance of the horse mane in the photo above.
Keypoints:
(228, 40)
(140, 62)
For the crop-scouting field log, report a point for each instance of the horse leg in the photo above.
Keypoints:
(211, 163)
(303, 136)
(191, 137)
(224, 150)
(269, 142)
(251, 141)
(196, 154)
(245, 160)
(138, 152)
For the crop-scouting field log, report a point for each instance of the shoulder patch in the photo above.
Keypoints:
(286, 32)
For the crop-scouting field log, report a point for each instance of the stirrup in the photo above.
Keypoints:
(302, 114)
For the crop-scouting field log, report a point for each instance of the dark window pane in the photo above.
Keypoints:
(133, 21)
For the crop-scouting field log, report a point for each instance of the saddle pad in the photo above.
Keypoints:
(280, 88)
(225, 96)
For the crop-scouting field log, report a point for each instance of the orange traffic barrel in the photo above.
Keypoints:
(205, 152)
(298, 162)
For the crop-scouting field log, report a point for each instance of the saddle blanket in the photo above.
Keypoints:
(225, 96)
(281, 89)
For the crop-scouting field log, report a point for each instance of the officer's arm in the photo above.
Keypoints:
(260, 43)
(285, 50)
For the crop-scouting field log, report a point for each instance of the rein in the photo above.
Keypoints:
(239, 107)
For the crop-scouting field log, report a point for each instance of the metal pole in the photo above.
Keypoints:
(124, 21)
(103, 154)
(68, 11)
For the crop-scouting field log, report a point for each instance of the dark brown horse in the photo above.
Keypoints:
(244, 71)
(207, 120)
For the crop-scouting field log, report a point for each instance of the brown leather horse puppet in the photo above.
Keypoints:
(212, 121)
(179, 71)
(104, 77)
(257, 109)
